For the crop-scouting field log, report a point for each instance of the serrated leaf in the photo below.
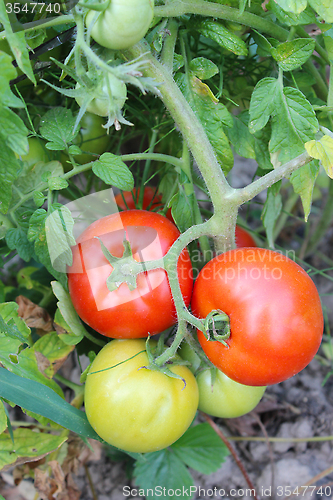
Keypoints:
(324, 8)
(199, 449)
(33, 177)
(293, 123)
(68, 312)
(203, 68)
(322, 150)
(13, 131)
(292, 55)
(39, 198)
(211, 113)
(29, 444)
(241, 138)
(163, 469)
(112, 170)
(303, 181)
(16, 239)
(59, 237)
(182, 210)
(294, 6)
(221, 35)
(33, 396)
(14, 326)
(57, 127)
(8, 73)
(262, 103)
(271, 211)
(307, 16)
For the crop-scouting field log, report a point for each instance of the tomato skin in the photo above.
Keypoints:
(124, 313)
(243, 238)
(276, 319)
(122, 24)
(226, 398)
(151, 199)
(92, 137)
(136, 409)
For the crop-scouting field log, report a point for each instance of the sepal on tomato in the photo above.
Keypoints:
(217, 327)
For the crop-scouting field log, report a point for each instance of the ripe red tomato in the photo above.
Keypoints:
(125, 313)
(243, 238)
(276, 319)
(151, 200)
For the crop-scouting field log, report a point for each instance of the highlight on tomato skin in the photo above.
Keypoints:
(243, 238)
(133, 408)
(275, 314)
(124, 313)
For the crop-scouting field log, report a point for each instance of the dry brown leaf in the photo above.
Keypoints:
(34, 315)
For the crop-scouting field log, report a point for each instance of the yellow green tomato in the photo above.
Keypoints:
(122, 24)
(133, 408)
(226, 398)
(37, 152)
(92, 138)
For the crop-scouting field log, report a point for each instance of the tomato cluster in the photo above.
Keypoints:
(273, 317)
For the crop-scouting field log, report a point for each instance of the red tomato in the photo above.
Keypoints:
(151, 200)
(126, 313)
(275, 314)
(243, 238)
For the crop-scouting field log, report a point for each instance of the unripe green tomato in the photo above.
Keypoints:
(133, 408)
(101, 105)
(122, 24)
(92, 137)
(36, 153)
(226, 398)
(186, 352)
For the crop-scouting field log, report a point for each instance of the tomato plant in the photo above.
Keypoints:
(133, 408)
(276, 320)
(151, 200)
(111, 313)
(222, 397)
(122, 24)
(92, 138)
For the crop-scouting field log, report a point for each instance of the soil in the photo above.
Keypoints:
(298, 411)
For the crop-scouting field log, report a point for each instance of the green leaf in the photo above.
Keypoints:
(51, 351)
(39, 198)
(241, 139)
(42, 400)
(292, 55)
(324, 8)
(32, 178)
(163, 469)
(13, 131)
(303, 181)
(328, 39)
(28, 444)
(12, 325)
(16, 239)
(59, 236)
(57, 183)
(212, 115)
(322, 150)
(200, 449)
(3, 418)
(261, 142)
(182, 210)
(307, 16)
(271, 211)
(9, 171)
(262, 42)
(293, 123)
(262, 103)
(8, 73)
(112, 170)
(203, 68)
(36, 224)
(68, 312)
(221, 35)
(17, 44)
(294, 6)
(57, 127)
